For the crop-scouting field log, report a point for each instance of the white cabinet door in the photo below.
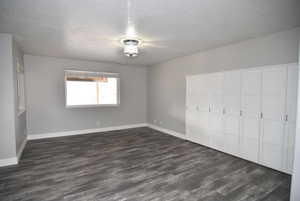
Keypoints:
(292, 89)
(291, 110)
(215, 124)
(271, 150)
(197, 109)
(273, 110)
(290, 131)
(191, 104)
(215, 87)
(231, 112)
(251, 108)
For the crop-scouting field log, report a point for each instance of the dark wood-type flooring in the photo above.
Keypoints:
(135, 165)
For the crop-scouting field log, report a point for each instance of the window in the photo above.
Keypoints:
(85, 88)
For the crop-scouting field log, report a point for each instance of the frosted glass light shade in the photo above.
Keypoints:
(131, 47)
(131, 50)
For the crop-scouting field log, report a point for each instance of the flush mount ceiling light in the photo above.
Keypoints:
(131, 46)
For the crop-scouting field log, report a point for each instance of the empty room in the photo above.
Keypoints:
(149, 100)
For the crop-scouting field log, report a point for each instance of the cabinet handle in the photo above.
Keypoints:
(209, 109)
(261, 115)
(224, 111)
(286, 117)
(241, 113)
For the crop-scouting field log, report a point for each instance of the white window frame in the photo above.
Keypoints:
(116, 75)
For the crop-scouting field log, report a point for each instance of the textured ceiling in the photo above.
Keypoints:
(91, 29)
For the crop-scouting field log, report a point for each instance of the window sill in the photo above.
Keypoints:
(91, 106)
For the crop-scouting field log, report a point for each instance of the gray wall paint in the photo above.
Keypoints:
(166, 81)
(20, 120)
(7, 114)
(45, 98)
(295, 193)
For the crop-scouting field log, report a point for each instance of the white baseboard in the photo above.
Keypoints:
(82, 132)
(168, 131)
(14, 160)
(19, 154)
(8, 161)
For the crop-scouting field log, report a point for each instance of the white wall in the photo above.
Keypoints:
(12, 126)
(166, 81)
(20, 119)
(46, 112)
(7, 126)
(295, 191)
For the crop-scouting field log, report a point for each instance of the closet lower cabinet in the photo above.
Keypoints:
(248, 113)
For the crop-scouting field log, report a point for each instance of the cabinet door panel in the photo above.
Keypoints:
(216, 92)
(251, 105)
(232, 104)
(217, 141)
(251, 128)
(292, 89)
(216, 103)
(231, 125)
(274, 93)
(251, 93)
(191, 93)
(197, 124)
(272, 156)
(251, 82)
(215, 130)
(249, 145)
(274, 107)
(202, 102)
(202, 134)
(271, 153)
(191, 122)
(215, 123)
(232, 92)
(215, 81)
(289, 148)
(273, 132)
(231, 134)
(290, 160)
(232, 81)
(249, 149)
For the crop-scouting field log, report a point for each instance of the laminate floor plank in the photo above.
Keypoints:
(136, 165)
